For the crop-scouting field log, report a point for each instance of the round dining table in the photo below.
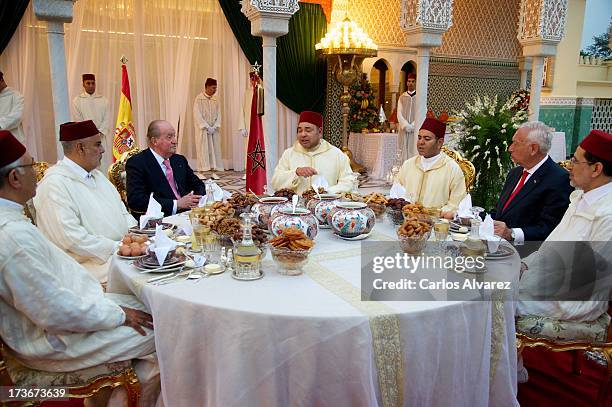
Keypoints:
(310, 340)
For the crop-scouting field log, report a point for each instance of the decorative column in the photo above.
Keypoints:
(541, 28)
(524, 66)
(424, 22)
(269, 20)
(56, 13)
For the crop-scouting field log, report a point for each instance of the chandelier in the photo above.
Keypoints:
(346, 45)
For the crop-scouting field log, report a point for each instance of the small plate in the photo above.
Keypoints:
(169, 269)
(502, 252)
(241, 278)
(360, 237)
(128, 257)
(150, 231)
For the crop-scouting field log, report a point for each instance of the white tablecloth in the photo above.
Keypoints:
(375, 151)
(308, 340)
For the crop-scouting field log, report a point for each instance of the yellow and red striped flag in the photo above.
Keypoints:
(125, 136)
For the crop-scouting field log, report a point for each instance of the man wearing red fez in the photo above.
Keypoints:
(406, 109)
(207, 118)
(571, 281)
(11, 110)
(77, 207)
(90, 105)
(313, 160)
(55, 315)
(536, 192)
(432, 178)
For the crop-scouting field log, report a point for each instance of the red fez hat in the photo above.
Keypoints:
(411, 76)
(598, 143)
(10, 148)
(311, 117)
(437, 127)
(89, 77)
(71, 131)
(210, 82)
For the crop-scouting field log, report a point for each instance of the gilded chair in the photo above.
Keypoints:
(577, 337)
(40, 167)
(79, 384)
(565, 164)
(116, 173)
(469, 171)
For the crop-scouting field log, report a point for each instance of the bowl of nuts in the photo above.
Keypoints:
(413, 235)
(290, 251)
(416, 210)
(377, 202)
(394, 210)
(242, 202)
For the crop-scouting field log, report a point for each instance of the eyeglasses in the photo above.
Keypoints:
(575, 161)
(33, 163)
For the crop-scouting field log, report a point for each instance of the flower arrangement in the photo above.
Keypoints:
(521, 97)
(363, 113)
(483, 133)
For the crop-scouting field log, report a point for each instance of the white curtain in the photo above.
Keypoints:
(171, 47)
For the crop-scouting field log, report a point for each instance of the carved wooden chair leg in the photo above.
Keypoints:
(132, 388)
(577, 356)
(607, 383)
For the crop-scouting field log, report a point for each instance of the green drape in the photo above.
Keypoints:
(300, 75)
(10, 16)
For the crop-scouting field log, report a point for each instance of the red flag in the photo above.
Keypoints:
(256, 151)
(125, 136)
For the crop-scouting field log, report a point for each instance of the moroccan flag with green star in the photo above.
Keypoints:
(256, 150)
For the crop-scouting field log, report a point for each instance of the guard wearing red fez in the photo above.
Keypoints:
(313, 160)
(406, 110)
(11, 110)
(77, 207)
(90, 105)
(432, 178)
(586, 230)
(207, 119)
(55, 315)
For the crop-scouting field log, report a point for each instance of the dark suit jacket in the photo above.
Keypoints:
(539, 205)
(144, 175)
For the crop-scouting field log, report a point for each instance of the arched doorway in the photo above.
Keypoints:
(380, 78)
(408, 67)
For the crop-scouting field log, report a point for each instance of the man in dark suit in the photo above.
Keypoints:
(536, 193)
(160, 170)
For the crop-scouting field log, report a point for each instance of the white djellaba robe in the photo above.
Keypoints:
(96, 108)
(55, 316)
(586, 222)
(441, 185)
(328, 160)
(244, 124)
(406, 109)
(207, 114)
(11, 112)
(84, 217)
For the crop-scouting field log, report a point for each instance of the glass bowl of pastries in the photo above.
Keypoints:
(290, 251)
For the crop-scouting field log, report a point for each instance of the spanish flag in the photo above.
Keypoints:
(125, 136)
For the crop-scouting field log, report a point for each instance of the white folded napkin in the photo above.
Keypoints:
(185, 225)
(463, 210)
(163, 244)
(319, 181)
(397, 191)
(154, 211)
(486, 232)
(217, 194)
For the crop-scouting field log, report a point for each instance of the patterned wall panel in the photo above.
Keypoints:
(332, 127)
(602, 115)
(561, 118)
(481, 28)
(452, 83)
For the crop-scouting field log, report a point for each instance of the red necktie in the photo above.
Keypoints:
(517, 189)
(170, 178)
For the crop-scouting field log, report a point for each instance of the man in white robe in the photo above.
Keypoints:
(207, 118)
(432, 178)
(55, 316)
(406, 110)
(11, 110)
(570, 277)
(77, 207)
(311, 156)
(90, 105)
